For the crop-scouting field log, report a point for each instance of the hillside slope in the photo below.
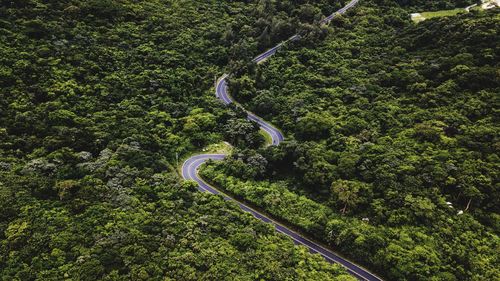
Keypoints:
(392, 155)
(99, 102)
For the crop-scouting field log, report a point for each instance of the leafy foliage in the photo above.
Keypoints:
(98, 101)
(393, 124)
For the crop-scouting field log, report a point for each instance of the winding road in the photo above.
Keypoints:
(191, 166)
(222, 94)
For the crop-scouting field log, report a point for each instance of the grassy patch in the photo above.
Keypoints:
(418, 17)
(443, 13)
(267, 137)
(218, 148)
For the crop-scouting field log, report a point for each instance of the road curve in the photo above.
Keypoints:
(190, 169)
(222, 94)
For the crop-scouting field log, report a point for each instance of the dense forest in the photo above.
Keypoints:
(100, 100)
(386, 122)
(392, 151)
